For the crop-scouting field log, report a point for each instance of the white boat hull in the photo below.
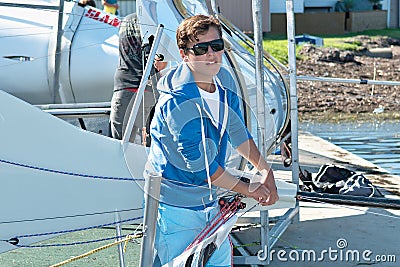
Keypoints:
(55, 198)
(88, 55)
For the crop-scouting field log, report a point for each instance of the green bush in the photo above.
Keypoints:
(276, 45)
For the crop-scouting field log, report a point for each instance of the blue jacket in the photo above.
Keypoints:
(179, 129)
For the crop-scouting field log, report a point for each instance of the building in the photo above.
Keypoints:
(309, 15)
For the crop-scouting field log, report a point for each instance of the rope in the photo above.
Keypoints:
(126, 239)
(15, 240)
(68, 216)
(69, 173)
(254, 243)
(228, 209)
(141, 233)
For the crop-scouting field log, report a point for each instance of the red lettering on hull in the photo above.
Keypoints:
(102, 17)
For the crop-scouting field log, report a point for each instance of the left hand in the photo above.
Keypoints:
(269, 181)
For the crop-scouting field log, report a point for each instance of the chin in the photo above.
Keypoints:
(213, 69)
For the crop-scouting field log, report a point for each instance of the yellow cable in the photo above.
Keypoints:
(126, 239)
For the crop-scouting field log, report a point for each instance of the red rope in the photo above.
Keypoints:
(227, 210)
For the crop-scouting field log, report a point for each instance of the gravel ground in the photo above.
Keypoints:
(349, 100)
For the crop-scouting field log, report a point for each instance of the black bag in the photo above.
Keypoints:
(334, 179)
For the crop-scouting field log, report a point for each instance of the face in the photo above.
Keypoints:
(205, 66)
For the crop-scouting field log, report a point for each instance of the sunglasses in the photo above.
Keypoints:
(202, 48)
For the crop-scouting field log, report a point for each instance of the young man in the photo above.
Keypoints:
(196, 116)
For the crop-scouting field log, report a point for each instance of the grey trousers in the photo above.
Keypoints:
(121, 106)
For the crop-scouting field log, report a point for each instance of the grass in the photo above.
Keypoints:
(47, 256)
(276, 44)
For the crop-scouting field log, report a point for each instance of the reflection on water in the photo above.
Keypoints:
(378, 143)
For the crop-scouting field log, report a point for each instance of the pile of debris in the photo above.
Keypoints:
(348, 97)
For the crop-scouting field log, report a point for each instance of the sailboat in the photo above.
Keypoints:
(56, 177)
(52, 54)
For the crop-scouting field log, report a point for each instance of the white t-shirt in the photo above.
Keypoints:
(212, 100)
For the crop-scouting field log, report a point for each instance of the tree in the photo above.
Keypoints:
(376, 4)
(348, 5)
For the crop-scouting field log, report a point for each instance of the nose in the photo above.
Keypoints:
(209, 50)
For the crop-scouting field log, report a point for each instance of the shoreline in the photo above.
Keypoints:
(338, 117)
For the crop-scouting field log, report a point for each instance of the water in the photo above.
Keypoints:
(378, 143)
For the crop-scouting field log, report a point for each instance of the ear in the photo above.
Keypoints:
(183, 55)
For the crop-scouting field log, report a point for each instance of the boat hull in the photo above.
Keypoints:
(57, 177)
(88, 54)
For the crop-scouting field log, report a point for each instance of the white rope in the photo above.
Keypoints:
(203, 138)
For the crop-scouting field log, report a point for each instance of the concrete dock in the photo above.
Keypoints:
(331, 234)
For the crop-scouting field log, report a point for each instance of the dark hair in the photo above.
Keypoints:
(83, 3)
(190, 28)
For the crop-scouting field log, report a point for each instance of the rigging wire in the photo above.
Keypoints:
(67, 244)
(79, 229)
(92, 176)
(69, 173)
(15, 240)
(98, 176)
(68, 216)
(217, 221)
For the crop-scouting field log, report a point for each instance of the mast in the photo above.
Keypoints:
(57, 58)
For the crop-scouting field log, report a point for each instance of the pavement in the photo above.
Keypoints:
(330, 234)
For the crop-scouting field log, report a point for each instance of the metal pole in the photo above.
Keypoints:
(57, 58)
(151, 197)
(142, 86)
(264, 228)
(119, 237)
(279, 228)
(75, 105)
(343, 80)
(293, 93)
(214, 7)
(259, 52)
(377, 202)
(389, 14)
